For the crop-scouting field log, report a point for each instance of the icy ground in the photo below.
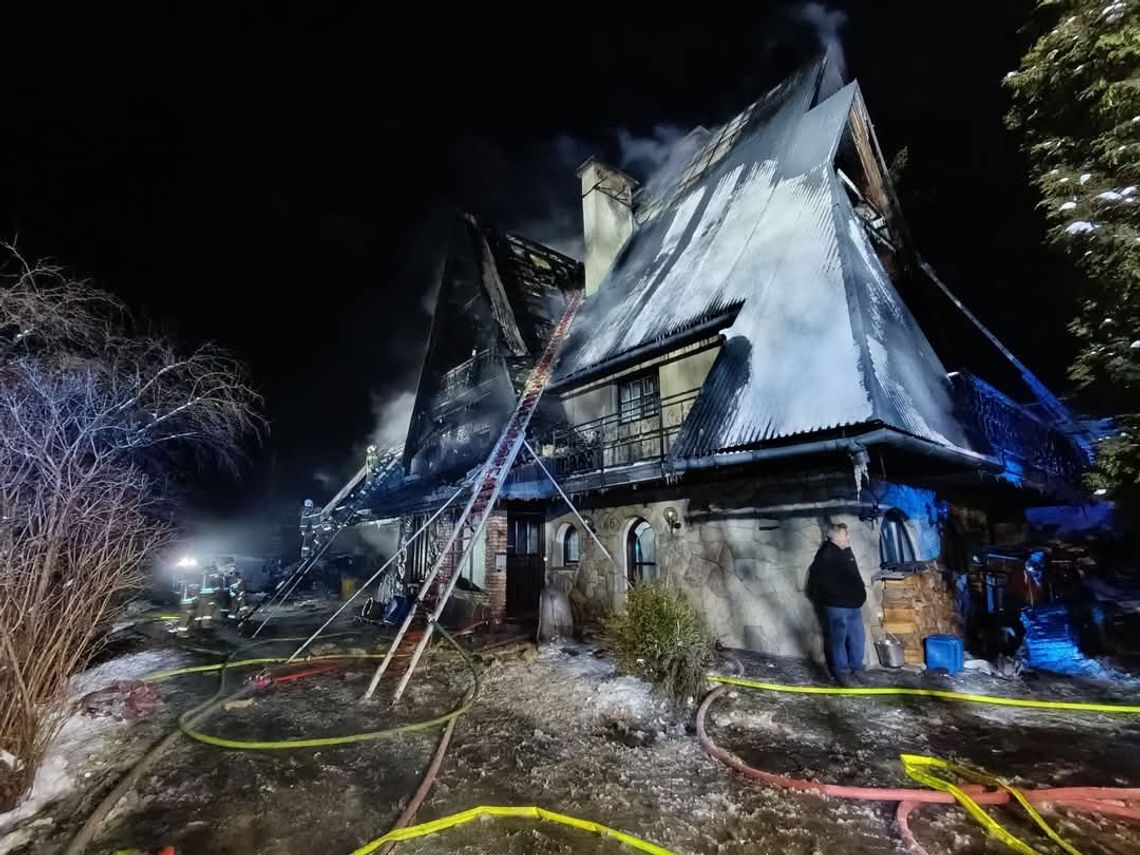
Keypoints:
(76, 751)
(562, 730)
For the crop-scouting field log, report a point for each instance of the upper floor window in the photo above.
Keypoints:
(639, 398)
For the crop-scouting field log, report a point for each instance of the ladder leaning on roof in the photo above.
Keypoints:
(336, 524)
(484, 493)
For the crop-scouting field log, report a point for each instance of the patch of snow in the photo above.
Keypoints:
(1130, 190)
(1067, 206)
(1109, 196)
(83, 736)
(79, 738)
(133, 666)
(625, 697)
(1080, 227)
(1113, 12)
(1135, 345)
(1085, 176)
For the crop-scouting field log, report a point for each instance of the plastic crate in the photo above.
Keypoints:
(944, 651)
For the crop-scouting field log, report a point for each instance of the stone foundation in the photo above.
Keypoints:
(741, 554)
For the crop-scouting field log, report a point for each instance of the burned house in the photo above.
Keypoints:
(744, 369)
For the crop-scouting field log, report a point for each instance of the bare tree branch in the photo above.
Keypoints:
(95, 422)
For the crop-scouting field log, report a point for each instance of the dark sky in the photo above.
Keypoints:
(280, 181)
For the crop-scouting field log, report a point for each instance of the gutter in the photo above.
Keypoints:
(850, 445)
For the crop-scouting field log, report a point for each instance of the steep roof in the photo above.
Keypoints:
(498, 301)
(758, 238)
(534, 280)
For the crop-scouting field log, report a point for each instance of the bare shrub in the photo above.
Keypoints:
(96, 423)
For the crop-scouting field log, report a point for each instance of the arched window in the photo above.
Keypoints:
(641, 553)
(570, 547)
(895, 546)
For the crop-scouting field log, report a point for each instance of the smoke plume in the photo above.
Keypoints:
(827, 24)
(393, 413)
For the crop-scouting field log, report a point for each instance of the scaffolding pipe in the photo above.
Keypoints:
(567, 499)
(424, 588)
(403, 548)
(298, 575)
(1050, 401)
(434, 617)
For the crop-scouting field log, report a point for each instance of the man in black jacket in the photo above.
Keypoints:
(836, 588)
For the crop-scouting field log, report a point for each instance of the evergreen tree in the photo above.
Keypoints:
(1076, 105)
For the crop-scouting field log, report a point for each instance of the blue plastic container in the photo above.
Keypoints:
(944, 651)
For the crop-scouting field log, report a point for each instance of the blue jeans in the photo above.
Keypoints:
(844, 639)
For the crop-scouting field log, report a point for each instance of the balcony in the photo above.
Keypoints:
(467, 382)
(619, 447)
(995, 424)
(624, 448)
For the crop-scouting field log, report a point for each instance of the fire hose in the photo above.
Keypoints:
(524, 812)
(984, 790)
(402, 829)
(192, 717)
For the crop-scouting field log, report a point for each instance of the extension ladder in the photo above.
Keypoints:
(484, 493)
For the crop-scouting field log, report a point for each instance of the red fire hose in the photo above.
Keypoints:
(1112, 801)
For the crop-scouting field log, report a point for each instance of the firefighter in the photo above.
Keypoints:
(310, 529)
(371, 465)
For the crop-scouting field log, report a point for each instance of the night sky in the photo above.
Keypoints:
(281, 182)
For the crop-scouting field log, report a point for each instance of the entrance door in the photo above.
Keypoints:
(525, 551)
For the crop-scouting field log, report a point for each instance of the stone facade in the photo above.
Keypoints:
(741, 553)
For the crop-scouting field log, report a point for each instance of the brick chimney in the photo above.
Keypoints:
(607, 217)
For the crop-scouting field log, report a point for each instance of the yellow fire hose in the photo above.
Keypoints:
(192, 717)
(918, 767)
(1073, 706)
(197, 714)
(921, 768)
(528, 812)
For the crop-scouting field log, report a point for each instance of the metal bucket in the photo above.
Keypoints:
(890, 652)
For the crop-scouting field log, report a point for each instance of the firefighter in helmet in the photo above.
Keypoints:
(310, 529)
(371, 465)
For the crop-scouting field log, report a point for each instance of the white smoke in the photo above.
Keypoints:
(645, 155)
(393, 414)
(827, 23)
(327, 480)
(555, 215)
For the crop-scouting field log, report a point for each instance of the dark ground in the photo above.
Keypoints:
(559, 729)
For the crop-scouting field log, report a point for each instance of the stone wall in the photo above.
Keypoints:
(741, 554)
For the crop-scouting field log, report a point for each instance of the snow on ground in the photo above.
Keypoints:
(81, 738)
(563, 730)
(610, 697)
